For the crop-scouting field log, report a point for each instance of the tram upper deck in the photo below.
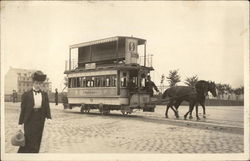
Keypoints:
(108, 52)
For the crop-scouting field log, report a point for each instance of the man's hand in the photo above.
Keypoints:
(49, 121)
(21, 127)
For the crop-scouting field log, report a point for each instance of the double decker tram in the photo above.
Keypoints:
(109, 74)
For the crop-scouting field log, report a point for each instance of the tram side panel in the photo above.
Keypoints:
(108, 96)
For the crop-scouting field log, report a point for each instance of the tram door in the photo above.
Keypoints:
(137, 79)
(136, 88)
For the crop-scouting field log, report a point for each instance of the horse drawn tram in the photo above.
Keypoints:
(109, 74)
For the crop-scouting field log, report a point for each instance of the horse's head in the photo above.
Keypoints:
(203, 87)
(212, 88)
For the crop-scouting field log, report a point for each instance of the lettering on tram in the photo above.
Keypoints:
(109, 74)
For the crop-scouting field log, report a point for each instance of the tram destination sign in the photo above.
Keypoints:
(90, 66)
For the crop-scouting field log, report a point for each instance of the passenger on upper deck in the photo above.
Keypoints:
(149, 85)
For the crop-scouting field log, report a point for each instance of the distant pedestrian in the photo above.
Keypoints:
(14, 96)
(56, 97)
(34, 109)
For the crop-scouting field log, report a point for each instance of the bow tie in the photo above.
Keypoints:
(36, 91)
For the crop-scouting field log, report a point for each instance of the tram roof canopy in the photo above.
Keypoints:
(106, 40)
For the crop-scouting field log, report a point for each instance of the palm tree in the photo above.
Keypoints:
(191, 81)
(173, 77)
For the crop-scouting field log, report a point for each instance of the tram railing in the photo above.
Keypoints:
(142, 60)
(73, 65)
(146, 60)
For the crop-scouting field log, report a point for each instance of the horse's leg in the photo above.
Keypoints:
(204, 110)
(191, 108)
(169, 105)
(197, 115)
(166, 113)
(189, 111)
(176, 107)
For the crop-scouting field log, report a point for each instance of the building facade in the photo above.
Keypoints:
(20, 80)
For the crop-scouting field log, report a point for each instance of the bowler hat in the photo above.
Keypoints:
(39, 76)
(18, 139)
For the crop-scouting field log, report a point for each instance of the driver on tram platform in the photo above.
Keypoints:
(150, 85)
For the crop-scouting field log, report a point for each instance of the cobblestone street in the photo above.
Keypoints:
(142, 132)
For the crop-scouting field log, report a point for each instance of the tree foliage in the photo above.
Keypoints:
(239, 91)
(173, 77)
(162, 78)
(227, 89)
(191, 81)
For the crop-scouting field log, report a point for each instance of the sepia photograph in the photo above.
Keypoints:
(125, 80)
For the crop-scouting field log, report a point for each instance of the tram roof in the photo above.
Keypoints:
(106, 40)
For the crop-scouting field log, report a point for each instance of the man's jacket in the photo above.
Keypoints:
(27, 105)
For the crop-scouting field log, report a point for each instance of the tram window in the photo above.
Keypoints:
(69, 81)
(103, 82)
(143, 81)
(80, 81)
(99, 82)
(88, 83)
(77, 82)
(124, 82)
(135, 80)
(108, 81)
(115, 80)
(96, 82)
(84, 82)
(92, 83)
(112, 81)
(73, 82)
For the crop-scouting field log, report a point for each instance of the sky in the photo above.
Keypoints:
(207, 39)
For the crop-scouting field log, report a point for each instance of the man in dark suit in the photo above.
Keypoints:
(34, 109)
(56, 96)
(150, 85)
(14, 95)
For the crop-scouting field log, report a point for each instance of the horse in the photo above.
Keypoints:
(202, 88)
(194, 95)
